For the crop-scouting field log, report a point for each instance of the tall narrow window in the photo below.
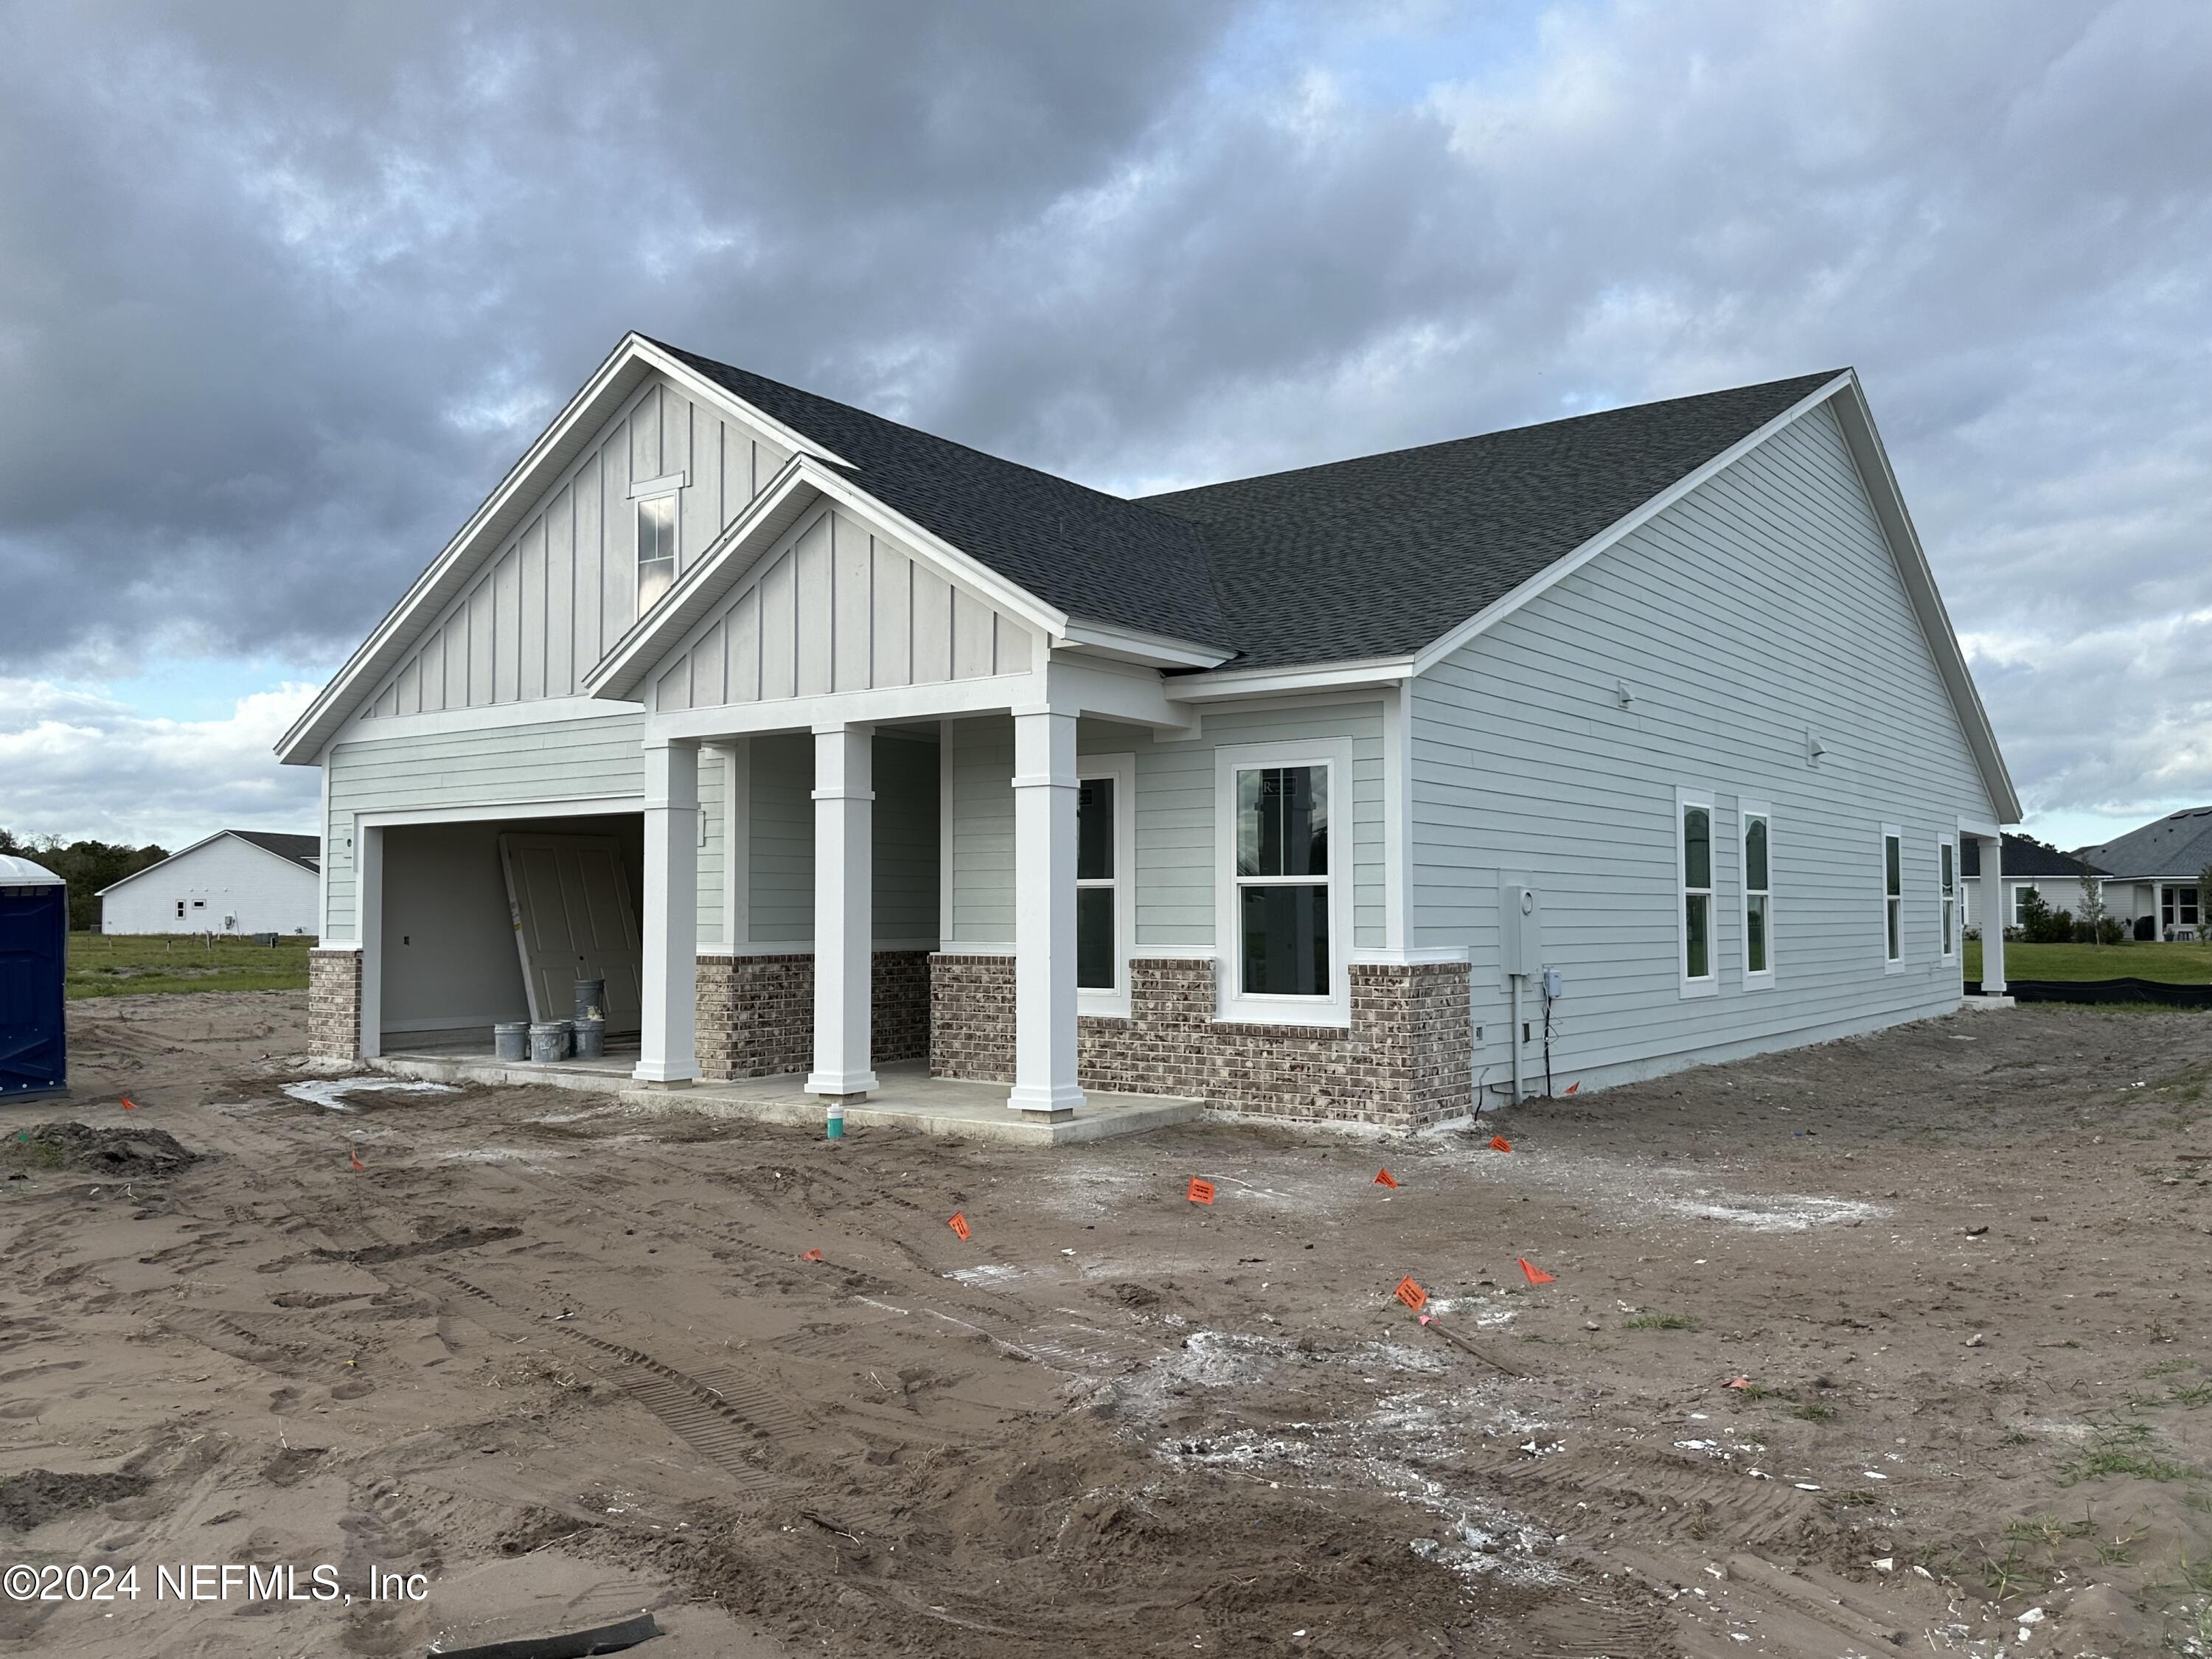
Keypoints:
(1696, 874)
(656, 550)
(1758, 895)
(1096, 968)
(1892, 895)
(1946, 854)
(1282, 880)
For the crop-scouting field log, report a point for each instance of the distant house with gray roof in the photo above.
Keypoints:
(825, 747)
(2029, 867)
(2155, 871)
(234, 881)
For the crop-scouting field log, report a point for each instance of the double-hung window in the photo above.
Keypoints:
(1758, 896)
(1693, 868)
(1892, 897)
(1284, 926)
(1946, 897)
(1105, 922)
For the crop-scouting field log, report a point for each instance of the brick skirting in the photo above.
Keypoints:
(756, 1013)
(1406, 1061)
(334, 1004)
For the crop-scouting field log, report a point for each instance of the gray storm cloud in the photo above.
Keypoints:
(284, 289)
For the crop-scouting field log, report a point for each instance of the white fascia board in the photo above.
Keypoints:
(687, 608)
(1857, 419)
(714, 392)
(1134, 645)
(614, 379)
(1305, 677)
(1559, 569)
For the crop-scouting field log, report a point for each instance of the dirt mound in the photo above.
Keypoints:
(37, 1496)
(132, 1152)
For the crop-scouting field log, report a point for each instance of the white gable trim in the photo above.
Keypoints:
(787, 505)
(206, 841)
(609, 389)
(1856, 423)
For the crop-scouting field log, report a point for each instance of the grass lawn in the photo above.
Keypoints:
(2170, 964)
(140, 964)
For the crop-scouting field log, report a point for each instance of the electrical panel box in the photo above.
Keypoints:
(1520, 929)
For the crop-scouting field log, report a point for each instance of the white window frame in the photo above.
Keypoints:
(1762, 979)
(1231, 1002)
(1949, 909)
(1892, 903)
(2014, 892)
(655, 490)
(1709, 983)
(1122, 770)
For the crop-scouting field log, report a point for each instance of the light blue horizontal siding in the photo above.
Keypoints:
(1764, 605)
(904, 884)
(1176, 873)
(505, 766)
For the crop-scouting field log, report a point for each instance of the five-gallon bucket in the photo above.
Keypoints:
(591, 999)
(591, 1039)
(550, 1040)
(510, 1039)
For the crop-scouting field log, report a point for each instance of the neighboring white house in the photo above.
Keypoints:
(2156, 873)
(2032, 868)
(830, 744)
(234, 881)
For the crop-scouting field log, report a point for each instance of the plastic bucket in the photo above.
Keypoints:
(591, 999)
(591, 1039)
(551, 1040)
(510, 1039)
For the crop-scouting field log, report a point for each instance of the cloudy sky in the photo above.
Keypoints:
(285, 287)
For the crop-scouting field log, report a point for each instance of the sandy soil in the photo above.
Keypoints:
(568, 1361)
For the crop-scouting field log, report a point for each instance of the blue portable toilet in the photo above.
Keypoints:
(33, 954)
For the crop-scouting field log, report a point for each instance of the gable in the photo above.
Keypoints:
(1764, 605)
(835, 604)
(546, 606)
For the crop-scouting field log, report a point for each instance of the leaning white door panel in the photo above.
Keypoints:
(569, 897)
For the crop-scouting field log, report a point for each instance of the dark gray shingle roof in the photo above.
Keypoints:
(1378, 557)
(306, 851)
(2023, 857)
(2179, 844)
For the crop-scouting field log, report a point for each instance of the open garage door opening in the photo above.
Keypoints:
(494, 921)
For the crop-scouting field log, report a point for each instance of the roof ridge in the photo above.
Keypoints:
(1810, 379)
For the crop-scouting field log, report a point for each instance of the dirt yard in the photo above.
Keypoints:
(567, 1361)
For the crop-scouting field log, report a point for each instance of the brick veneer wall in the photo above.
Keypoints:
(1405, 1061)
(334, 1004)
(756, 1013)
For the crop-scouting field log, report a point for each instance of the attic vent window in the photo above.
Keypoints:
(656, 550)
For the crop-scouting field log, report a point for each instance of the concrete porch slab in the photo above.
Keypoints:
(1983, 1005)
(909, 1098)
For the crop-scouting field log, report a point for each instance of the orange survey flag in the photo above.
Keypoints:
(1537, 1275)
(959, 1225)
(1411, 1294)
(1199, 1192)
(1384, 1178)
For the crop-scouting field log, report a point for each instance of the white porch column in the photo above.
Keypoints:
(1993, 923)
(1044, 915)
(668, 1039)
(844, 911)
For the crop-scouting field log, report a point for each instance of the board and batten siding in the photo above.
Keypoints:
(1176, 875)
(779, 886)
(833, 606)
(555, 596)
(1763, 606)
(480, 771)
